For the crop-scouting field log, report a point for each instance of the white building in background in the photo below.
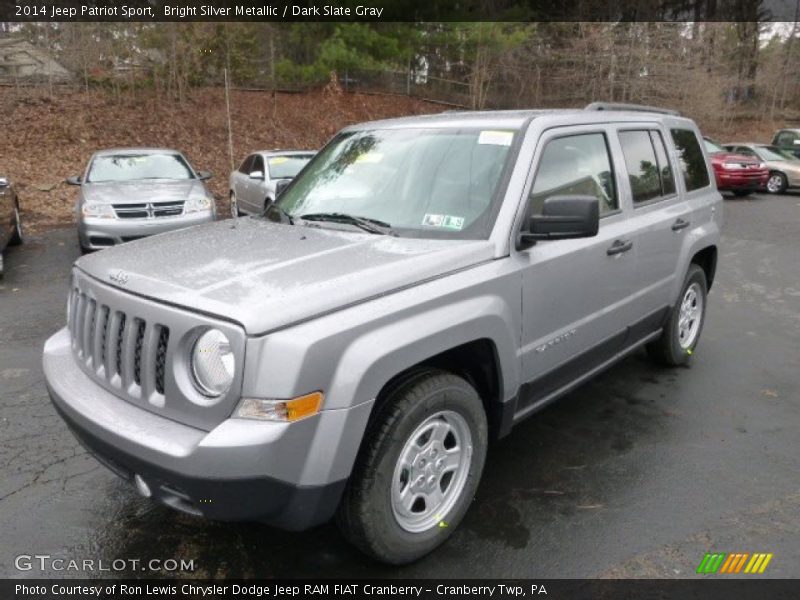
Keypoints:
(21, 62)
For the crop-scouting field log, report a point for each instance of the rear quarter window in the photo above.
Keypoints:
(691, 160)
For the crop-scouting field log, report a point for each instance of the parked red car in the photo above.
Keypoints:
(736, 173)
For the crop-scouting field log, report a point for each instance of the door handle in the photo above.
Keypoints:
(619, 246)
(680, 224)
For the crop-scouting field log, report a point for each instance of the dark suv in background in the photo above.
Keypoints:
(788, 140)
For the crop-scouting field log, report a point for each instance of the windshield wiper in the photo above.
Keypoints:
(365, 223)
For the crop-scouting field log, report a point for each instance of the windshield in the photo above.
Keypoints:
(286, 167)
(133, 167)
(712, 148)
(420, 182)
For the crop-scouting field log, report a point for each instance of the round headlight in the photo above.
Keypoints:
(212, 363)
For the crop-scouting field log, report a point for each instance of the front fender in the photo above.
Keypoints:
(352, 353)
(373, 359)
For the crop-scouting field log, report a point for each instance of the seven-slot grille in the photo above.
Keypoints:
(123, 349)
(146, 210)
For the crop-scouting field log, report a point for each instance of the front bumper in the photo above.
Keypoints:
(96, 233)
(229, 473)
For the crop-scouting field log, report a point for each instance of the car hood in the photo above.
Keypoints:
(136, 192)
(787, 166)
(265, 275)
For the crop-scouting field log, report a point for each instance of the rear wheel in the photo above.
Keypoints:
(16, 235)
(777, 183)
(682, 331)
(418, 469)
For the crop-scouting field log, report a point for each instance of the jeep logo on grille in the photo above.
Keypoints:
(120, 277)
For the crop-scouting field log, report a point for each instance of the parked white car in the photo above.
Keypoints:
(254, 184)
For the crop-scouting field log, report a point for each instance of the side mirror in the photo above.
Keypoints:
(74, 180)
(563, 218)
(203, 175)
(281, 185)
(256, 174)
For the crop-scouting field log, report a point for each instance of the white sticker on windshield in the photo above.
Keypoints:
(496, 138)
(369, 157)
(443, 221)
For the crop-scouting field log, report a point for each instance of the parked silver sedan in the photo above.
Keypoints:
(254, 184)
(10, 224)
(130, 193)
(784, 168)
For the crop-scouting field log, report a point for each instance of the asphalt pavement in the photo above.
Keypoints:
(636, 474)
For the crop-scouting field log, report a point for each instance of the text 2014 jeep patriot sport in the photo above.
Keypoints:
(424, 284)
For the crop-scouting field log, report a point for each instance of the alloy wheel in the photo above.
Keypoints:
(431, 471)
(690, 316)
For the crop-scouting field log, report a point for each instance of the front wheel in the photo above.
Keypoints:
(418, 469)
(235, 212)
(682, 331)
(777, 183)
(16, 234)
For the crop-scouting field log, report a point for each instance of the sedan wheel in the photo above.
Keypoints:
(776, 184)
(234, 206)
(16, 235)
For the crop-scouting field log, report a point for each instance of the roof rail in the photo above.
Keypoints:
(633, 107)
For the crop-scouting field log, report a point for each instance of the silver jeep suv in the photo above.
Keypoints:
(425, 284)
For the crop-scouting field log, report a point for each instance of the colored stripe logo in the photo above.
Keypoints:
(735, 562)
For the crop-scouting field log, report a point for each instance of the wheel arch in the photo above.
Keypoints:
(706, 259)
(478, 362)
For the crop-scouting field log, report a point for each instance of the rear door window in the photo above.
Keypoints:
(649, 172)
(690, 158)
(664, 167)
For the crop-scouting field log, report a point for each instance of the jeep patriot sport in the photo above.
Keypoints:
(423, 285)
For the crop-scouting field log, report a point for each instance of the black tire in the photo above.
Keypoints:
(84, 249)
(741, 193)
(780, 188)
(668, 349)
(235, 212)
(16, 235)
(366, 515)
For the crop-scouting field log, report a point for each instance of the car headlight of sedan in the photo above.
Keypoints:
(197, 204)
(212, 363)
(97, 211)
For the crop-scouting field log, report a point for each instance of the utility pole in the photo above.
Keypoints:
(228, 111)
